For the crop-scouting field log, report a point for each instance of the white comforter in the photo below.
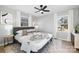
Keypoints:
(33, 45)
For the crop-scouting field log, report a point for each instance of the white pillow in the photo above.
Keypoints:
(31, 30)
(19, 32)
(37, 33)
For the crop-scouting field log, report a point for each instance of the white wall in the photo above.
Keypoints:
(76, 17)
(46, 23)
(73, 19)
(30, 21)
(17, 20)
(55, 25)
(70, 20)
(15, 14)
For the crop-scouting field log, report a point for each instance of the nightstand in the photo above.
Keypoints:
(7, 39)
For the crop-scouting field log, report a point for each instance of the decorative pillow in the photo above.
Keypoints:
(37, 33)
(19, 32)
(30, 30)
(24, 32)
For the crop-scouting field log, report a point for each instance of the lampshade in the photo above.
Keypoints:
(36, 27)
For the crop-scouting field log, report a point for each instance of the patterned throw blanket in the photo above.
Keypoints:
(37, 37)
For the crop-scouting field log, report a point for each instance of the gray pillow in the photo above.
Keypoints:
(24, 32)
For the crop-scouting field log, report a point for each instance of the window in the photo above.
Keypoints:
(24, 21)
(63, 23)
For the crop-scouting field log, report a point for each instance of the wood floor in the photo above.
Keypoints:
(55, 46)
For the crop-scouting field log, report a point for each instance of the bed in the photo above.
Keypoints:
(33, 41)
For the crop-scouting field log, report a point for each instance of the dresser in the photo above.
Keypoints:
(75, 40)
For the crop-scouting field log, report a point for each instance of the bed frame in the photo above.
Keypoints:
(21, 28)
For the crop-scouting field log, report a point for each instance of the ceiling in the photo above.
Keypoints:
(29, 9)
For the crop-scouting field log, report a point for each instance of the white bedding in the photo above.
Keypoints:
(33, 45)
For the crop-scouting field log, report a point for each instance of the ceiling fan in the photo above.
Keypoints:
(42, 9)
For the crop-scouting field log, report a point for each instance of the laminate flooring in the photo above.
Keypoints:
(54, 46)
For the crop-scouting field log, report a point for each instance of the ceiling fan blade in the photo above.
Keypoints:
(4, 14)
(46, 10)
(37, 11)
(36, 8)
(44, 7)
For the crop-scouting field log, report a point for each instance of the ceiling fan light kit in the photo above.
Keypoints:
(41, 12)
(42, 9)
